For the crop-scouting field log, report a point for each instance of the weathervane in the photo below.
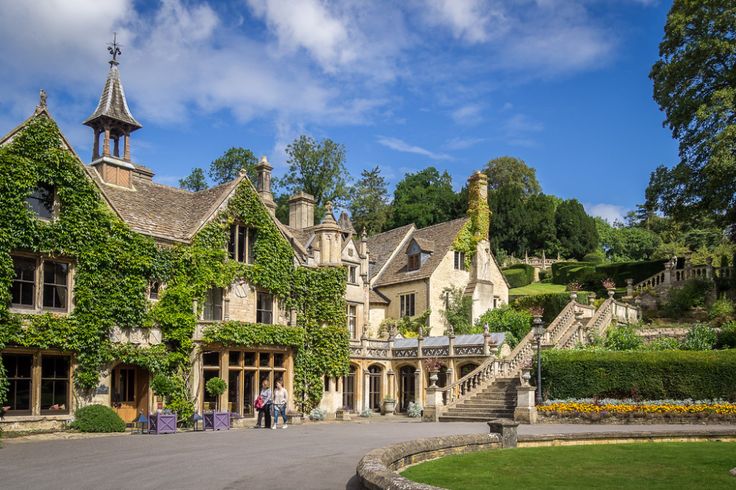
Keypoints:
(114, 49)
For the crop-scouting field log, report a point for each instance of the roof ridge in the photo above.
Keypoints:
(442, 223)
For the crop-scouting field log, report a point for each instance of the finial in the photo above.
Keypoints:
(114, 49)
(328, 207)
(41, 100)
(364, 235)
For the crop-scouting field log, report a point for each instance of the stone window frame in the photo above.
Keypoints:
(261, 311)
(213, 318)
(459, 260)
(37, 379)
(352, 271)
(155, 288)
(239, 251)
(404, 304)
(352, 316)
(39, 284)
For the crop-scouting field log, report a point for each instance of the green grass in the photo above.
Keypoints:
(700, 465)
(536, 288)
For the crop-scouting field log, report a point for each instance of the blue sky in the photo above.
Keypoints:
(562, 84)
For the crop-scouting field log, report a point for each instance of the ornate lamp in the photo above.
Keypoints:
(141, 421)
(538, 332)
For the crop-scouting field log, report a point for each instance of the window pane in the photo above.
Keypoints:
(23, 287)
(55, 284)
(249, 358)
(278, 360)
(234, 358)
(41, 201)
(252, 237)
(18, 368)
(241, 244)
(264, 308)
(231, 246)
(211, 358)
(264, 360)
(213, 305)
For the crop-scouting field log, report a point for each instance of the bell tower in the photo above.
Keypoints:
(113, 122)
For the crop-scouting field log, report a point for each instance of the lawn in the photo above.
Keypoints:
(647, 465)
(537, 288)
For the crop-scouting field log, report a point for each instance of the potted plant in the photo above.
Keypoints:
(163, 421)
(389, 405)
(609, 286)
(216, 420)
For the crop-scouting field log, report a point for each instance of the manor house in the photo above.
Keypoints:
(403, 272)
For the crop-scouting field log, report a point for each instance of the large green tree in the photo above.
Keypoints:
(576, 230)
(228, 166)
(424, 198)
(317, 168)
(195, 181)
(695, 85)
(626, 243)
(538, 224)
(369, 207)
(505, 171)
(508, 220)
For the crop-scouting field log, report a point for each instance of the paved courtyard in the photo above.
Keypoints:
(314, 456)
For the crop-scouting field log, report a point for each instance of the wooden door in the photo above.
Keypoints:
(129, 392)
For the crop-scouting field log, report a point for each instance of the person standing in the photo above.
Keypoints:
(280, 402)
(265, 401)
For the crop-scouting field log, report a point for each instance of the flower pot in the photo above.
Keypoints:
(389, 406)
(162, 423)
(216, 420)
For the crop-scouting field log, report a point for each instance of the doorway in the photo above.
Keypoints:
(129, 395)
(407, 387)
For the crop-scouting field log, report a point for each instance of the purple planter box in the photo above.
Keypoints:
(162, 423)
(216, 420)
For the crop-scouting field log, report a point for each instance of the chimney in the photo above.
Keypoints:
(330, 239)
(301, 210)
(263, 183)
(478, 210)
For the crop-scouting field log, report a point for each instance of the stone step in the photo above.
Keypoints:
(469, 404)
(468, 418)
(461, 410)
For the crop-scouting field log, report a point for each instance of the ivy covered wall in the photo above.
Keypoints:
(113, 266)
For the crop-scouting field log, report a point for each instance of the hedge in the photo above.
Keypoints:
(552, 303)
(590, 275)
(679, 375)
(519, 275)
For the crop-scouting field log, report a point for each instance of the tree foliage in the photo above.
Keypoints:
(369, 207)
(509, 217)
(228, 166)
(576, 230)
(424, 198)
(317, 168)
(695, 85)
(195, 181)
(512, 171)
(626, 243)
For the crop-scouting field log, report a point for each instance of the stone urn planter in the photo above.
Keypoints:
(216, 420)
(162, 423)
(389, 406)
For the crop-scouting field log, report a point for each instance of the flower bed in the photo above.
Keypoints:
(631, 411)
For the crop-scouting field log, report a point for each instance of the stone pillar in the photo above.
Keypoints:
(418, 385)
(525, 411)
(116, 150)
(432, 405)
(629, 288)
(507, 429)
(709, 268)
(591, 298)
(126, 151)
(106, 143)
(96, 145)
(451, 345)
(366, 390)
(668, 273)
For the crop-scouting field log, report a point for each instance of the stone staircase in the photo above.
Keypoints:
(496, 400)
(489, 391)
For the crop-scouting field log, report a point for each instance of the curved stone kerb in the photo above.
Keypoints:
(378, 470)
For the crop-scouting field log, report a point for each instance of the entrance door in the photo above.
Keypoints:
(129, 392)
(348, 390)
(407, 387)
(374, 388)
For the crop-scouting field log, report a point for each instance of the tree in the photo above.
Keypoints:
(539, 228)
(369, 208)
(576, 230)
(626, 243)
(695, 85)
(458, 311)
(424, 198)
(508, 219)
(504, 171)
(228, 166)
(195, 182)
(317, 168)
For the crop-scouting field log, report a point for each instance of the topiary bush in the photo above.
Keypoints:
(594, 258)
(678, 375)
(552, 303)
(519, 275)
(97, 418)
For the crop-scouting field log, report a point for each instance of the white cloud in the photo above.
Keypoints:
(609, 212)
(518, 130)
(468, 114)
(404, 147)
(473, 21)
(462, 143)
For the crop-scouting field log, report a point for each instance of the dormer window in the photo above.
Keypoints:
(41, 201)
(414, 261)
(242, 244)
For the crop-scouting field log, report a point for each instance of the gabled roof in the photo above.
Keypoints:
(383, 246)
(112, 102)
(441, 235)
(424, 244)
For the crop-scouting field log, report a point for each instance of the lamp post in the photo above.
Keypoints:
(538, 332)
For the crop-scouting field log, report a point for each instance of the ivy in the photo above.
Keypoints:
(113, 266)
(477, 226)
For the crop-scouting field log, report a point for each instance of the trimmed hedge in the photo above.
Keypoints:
(553, 304)
(679, 375)
(97, 418)
(519, 275)
(590, 275)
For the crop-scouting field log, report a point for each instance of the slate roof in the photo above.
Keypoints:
(345, 224)
(381, 246)
(376, 297)
(162, 211)
(112, 102)
(441, 235)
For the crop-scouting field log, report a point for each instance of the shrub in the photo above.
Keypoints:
(543, 276)
(97, 418)
(552, 303)
(690, 295)
(664, 343)
(163, 385)
(589, 274)
(414, 410)
(317, 414)
(215, 386)
(699, 337)
(727, 336)
(367, 412)
(516, 323)
(679, 375)
(720, 312)
(623, 337)
(183, 408)
(594, 258)
(519, 275)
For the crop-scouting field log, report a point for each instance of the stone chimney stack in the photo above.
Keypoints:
(301, 210)
(478, 210)
(263, 183)
(330, 239)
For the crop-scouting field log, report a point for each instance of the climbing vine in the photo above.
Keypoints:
(477, 226)
(113, 266)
